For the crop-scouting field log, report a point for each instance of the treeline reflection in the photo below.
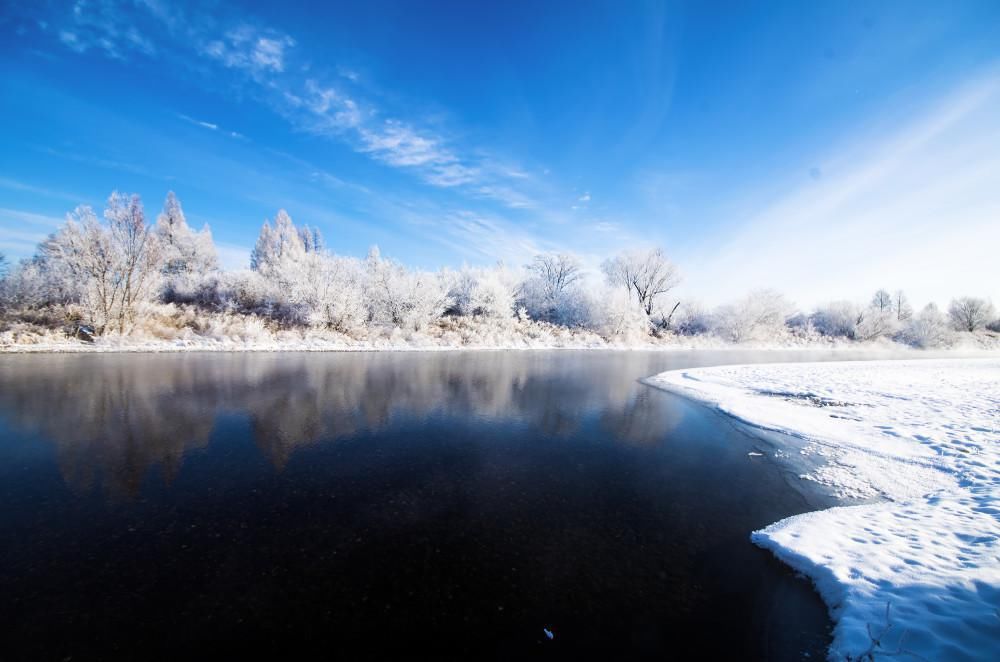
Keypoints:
(113, 418)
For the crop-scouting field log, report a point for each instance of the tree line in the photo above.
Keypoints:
(105, 272)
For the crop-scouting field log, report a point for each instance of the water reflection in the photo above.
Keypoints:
(384, 505)
(113, 419)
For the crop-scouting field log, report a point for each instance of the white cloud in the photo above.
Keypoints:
(248, 48)
(211, 126)
(102, 25)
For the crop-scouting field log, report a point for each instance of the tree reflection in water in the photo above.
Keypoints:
(113, 419)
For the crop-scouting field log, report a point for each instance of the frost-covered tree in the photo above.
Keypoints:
(837, 318)
(483, 292)
(184, 251)
(901, 304)
(274, 244)
(759, 315)
(552, 291)
(927, 329)
(615, 314)
(400, 297)
(301, 282)
(882, 302)
(556, 272)
(109, 268)
(135, 256)
(879, 319)
(645, 274)
(312, 240)
(3, 265)
(330, 288)
(970, 313)
(691, 319)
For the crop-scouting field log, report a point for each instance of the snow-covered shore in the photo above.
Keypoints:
(916, 570)
(235, 333)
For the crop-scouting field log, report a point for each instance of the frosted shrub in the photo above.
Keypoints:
(399, 297)
(615, 314)
(691, 319)
(759, 315)
(969, 313)
(876, 323)
(484, 292)
(26, 286)
(330, 288)
(838, 318)
(927, 329)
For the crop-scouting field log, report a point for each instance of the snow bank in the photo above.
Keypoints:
(918, 573)
(183, 331)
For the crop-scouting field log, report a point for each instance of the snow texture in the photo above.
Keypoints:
(915, 572)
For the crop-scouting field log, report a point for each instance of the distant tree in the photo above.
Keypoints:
(400, 297)
(3, 265)
(759, 315)
(557, 272)
(879, 319)
(184, 252)
(135, 252)
(882, 302)
(927, 329)
(551, 291)
(970, 313)
(312, 240)
(283, 241)
(902, 306)
(645, 274)
(485, 292)
(109, 268)
(838, 318)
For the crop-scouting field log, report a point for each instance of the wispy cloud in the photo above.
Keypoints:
(315, 103)
(30, 218)
(16, 185)
(251, 49)
(211, 126)
(100, 25)
(914, 206)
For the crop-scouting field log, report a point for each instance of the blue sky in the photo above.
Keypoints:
(824, 149)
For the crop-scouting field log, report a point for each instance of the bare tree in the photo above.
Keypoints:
(3, 265)
(882, 302)
(646, 274)
(556, 272)
(970, 313)
(135, 252)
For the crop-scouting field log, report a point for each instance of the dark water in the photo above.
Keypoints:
(363, 505)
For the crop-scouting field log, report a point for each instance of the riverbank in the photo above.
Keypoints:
(238, 333)
(918, 570)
